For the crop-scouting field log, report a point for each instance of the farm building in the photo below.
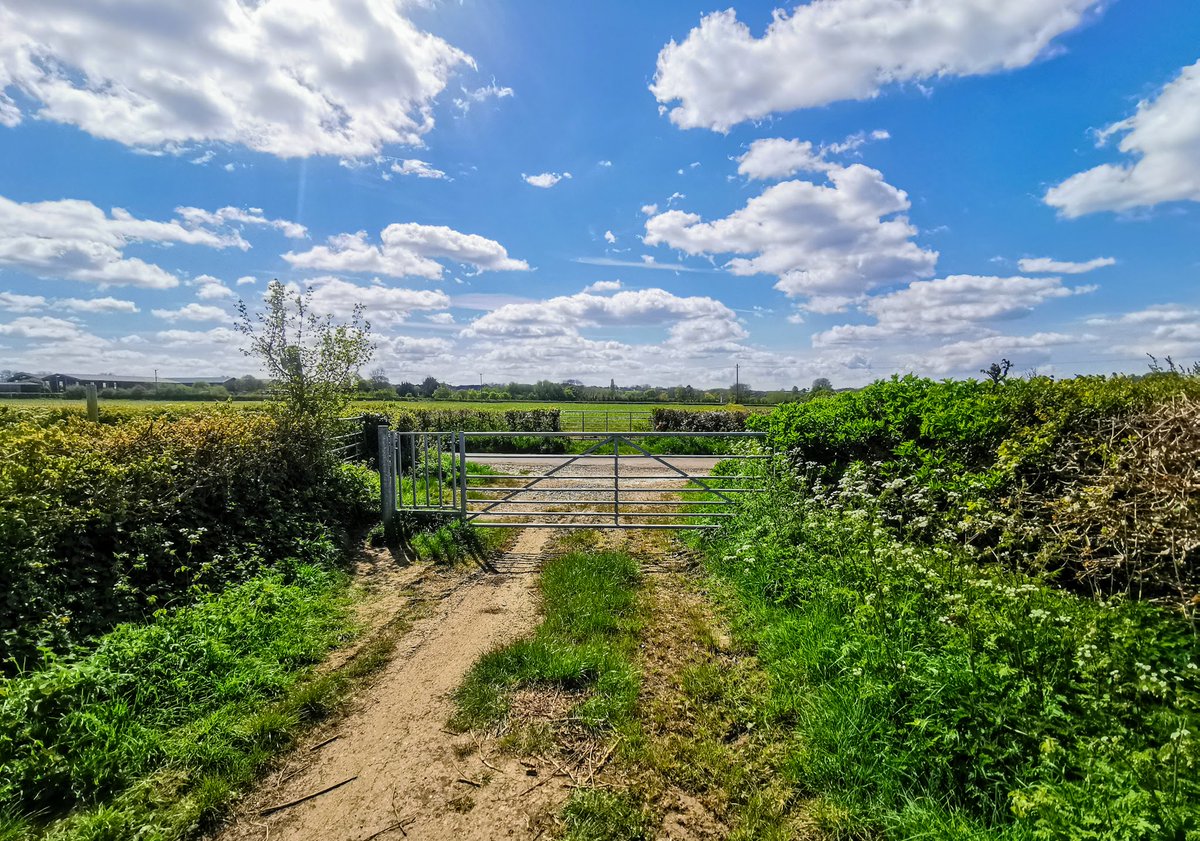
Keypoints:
(61, 382)
(22, 383)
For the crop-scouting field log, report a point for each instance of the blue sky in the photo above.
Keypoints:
(645, 192)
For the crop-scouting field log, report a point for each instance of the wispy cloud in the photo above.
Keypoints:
(640, 264)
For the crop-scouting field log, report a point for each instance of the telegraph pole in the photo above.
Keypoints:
(737, 382)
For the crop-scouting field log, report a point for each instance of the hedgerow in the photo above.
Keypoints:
(678, 420)
(1026, 472)
(101, 524)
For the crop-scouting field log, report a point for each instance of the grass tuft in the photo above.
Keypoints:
(585, 641)
(598, 815)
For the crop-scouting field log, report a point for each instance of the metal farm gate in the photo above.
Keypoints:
(567, 479)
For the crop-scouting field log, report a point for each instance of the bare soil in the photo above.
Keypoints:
(410, 777)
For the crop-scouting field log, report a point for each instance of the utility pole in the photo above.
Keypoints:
(156, 379)
(481, 383)
(737, 382)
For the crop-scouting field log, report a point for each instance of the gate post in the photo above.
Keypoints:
(616, 442)
(462, 462)
(387, 475)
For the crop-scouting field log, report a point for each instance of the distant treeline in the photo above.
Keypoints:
(574, 390)
(377, 387)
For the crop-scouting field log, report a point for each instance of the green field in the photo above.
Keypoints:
(365, 405)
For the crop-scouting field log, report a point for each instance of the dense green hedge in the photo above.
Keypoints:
(106, 523)
(476, 420)
(1022, 471)
(678, 420)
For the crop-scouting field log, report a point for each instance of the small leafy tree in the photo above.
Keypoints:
(428, 386)
(997, 372)
(312, 361)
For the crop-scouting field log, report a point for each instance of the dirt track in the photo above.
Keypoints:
(407, 765)
(409, 776)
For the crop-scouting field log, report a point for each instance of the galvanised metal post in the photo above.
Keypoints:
(387, 475)
(616, 480)
(462, 463)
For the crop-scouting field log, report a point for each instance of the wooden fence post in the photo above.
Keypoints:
(93, 403)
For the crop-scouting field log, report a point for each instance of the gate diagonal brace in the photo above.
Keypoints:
(565, 464)
(682, 473)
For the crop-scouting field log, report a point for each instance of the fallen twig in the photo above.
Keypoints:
(483, 757)
(320, 745)
(273, 809)
(603, 760)
(469, 782)
(566, 771)
(397, 825)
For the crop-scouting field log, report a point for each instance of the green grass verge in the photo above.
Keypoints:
(597, 815)
(932, 697)
(150, 734)
(586, 640)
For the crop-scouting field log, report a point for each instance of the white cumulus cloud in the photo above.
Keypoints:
(1163, 140)
(323, 77)
(383, 305)
(775, 157)
(968, 356)
(951, 305)
(75, 240)
(567, 315)
(193, 312)
(106, 304)
(41, 328)
(406, 250)
(830, 50)
(16, 302)
(545, 180)
(770, 158)
(844, 237)
(603, 286)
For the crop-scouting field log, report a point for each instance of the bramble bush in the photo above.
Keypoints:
(102, 524)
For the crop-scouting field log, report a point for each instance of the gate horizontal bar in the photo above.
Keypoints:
(678, 515)
(616, 434)
(511, 457)
(489, 525)
(624, 476)
(624, 501)
(541, 488)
